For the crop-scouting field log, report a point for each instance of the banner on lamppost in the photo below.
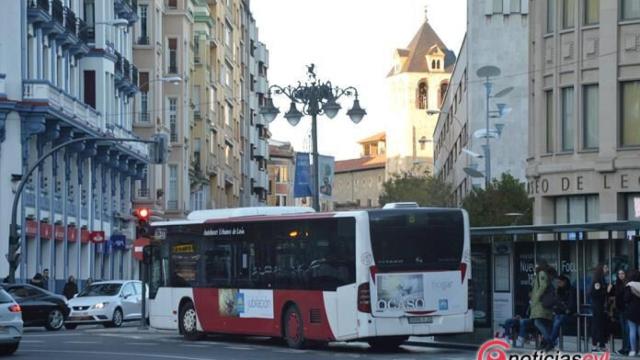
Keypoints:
(327, 171)
(302, 184)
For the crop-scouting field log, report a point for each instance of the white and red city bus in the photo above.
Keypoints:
(378, 275)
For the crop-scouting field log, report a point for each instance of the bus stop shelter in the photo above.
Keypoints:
(504, 259)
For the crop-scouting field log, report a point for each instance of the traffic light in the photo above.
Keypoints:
(142, 215)
(159, 150)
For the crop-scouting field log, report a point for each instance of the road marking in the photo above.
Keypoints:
(290, 351)
(123, 354)
(140, 344)
(195, 346)
(239, 348)
(81, 342)
(31, 341)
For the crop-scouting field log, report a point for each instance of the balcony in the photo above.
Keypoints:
(70, 21)
(172, 205)
(38, 11)
(127, 9)
(143, 40)
(42, 92)
(261, 85)
(144, 193)
(57, 11)
(261, 181)
(261, 150)
(212, 164)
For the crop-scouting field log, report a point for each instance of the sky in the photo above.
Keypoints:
(351, 43)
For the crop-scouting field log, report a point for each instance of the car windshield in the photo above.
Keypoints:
(101, 290)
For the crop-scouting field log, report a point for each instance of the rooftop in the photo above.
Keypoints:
(363, 163)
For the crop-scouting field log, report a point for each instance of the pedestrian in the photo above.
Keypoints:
(70, 288)
(618, 293)
(564, 307)
(542, 315)
(598, 296)
(632, 309)
(45, 279)
(37, 280)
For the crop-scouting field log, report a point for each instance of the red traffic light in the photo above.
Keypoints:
(142, 214)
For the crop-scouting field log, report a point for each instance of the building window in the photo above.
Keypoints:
(630, 9)
(633, 206)
(173, 56)
(421, 98)
(549, 121)
(551, 16)
(227, 75)
(227, 34)
(591, 12)
(172, 4)
(568, 14)
(497, 6)
(144, 35)
(568, 126)
(212, 99)
(227, 154)
(172, 197)
(212, 142)
(282, 174)
(443, 91)
(173, 119)
(515, 7)
(590, 101)
(144, 97)
(630, 113)
(90, 88)
(228, 114)
(196, 49)
(576, 209)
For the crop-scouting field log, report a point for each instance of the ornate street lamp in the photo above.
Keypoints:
(316, 98)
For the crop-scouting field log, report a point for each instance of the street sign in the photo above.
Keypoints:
(96, 237)
(138, 248)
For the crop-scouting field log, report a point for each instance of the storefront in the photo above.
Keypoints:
(504, 260)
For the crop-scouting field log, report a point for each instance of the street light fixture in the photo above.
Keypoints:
(317, 98)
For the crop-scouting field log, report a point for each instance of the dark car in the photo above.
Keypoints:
(39, 307)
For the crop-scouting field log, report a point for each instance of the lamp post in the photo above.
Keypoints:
(487, 72)
(317, 98)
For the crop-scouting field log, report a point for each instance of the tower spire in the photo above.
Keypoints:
(426, 13)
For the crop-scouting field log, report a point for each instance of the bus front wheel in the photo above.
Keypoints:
(388, 343)
(293, 328)
(189, 322)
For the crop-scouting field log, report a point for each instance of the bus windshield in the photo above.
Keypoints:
(411, 239)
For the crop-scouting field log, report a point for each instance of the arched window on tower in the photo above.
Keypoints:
(438, 64)
(433, 64)
(443, 90)
(422, 95)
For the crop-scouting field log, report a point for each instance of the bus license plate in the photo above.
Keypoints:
(421, 320)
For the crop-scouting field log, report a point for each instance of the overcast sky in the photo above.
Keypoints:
(351, 42)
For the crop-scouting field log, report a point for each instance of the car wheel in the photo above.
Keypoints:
(9, 349)
(116, 319)
(294, 328)
(55, 320)
(385, 344)
(70, 326)
(189, 322)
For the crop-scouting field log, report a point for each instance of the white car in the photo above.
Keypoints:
(107, 302)
(10, 323)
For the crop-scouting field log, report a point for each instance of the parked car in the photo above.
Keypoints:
(107, 302)
(10, 323)
(39, 307)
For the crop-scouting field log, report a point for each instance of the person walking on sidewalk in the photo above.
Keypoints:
(618, 294)
(70, 288)
(598, 295)
(542, 315)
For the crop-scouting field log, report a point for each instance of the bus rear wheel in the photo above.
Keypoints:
(189, 322)
(294, 328)
(387, 343)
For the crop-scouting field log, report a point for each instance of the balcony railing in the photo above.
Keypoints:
(173, 69)
(118, 68)
(70, 21)
(85, 33)
(134, 75)
(143, 40)
(172, 205)
(57, 11)
(127, 70)
(144, 116)
(144, 193)
(39, 4)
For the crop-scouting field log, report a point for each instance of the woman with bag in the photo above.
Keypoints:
(618, 293)
(542, 295)
(598, 295)
(632, 309)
